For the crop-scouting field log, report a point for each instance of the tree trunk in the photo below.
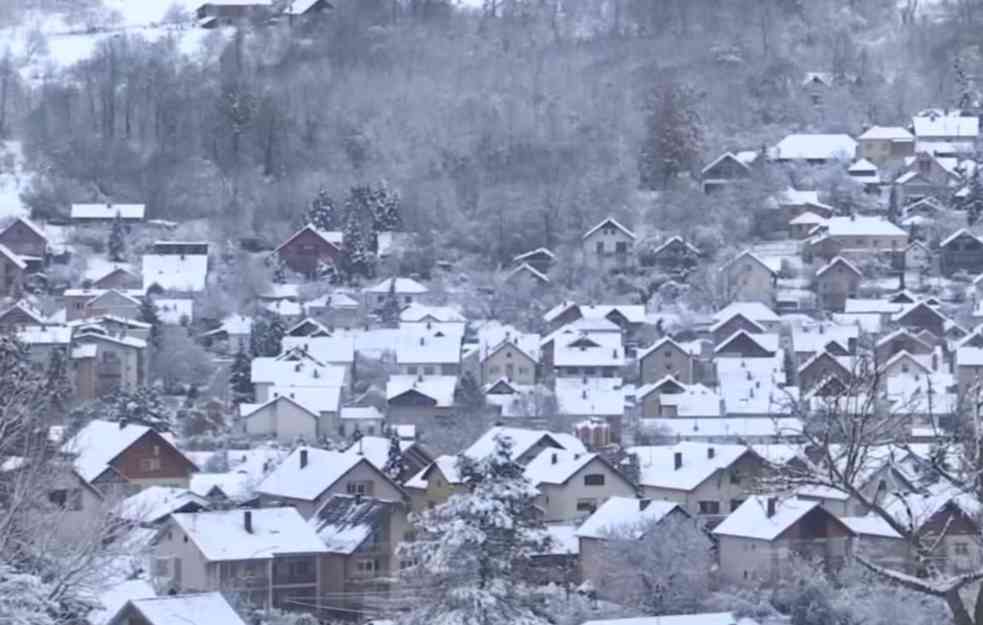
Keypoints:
(960, 615)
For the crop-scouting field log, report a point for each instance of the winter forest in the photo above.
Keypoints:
(491, 312)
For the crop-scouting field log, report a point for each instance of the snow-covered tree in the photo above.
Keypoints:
(658, 567)
(58, 386)
(148, 314)
(279, 269)
(386, 216)
(274, 338)
(973, 202)
(390, 310)
(469, 394)
(240, 380)
(395, 463)
(117, 240)
(673, 134)
(179, 361)
(266, 335)
(472, 547)
(354, 261)
(322, 213)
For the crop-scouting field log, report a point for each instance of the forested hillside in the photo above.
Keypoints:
(503, 128)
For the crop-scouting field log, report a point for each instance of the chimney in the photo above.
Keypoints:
(583, 394)
(358, 498)
(421, 340)
(678, 460)
(772, 502)
(711, 452)
(247, 520)
(419, 377)
(553, 458)
(303, 458)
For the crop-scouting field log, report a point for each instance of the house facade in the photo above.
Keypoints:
(666, 357)
(308, 249)
(609, 245)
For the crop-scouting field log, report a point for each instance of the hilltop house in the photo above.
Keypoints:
(727, 169)
(836, 281)
(572, 485)
(881, 144)
(815, 149)
(26, 240)
(667, 357)
(961, 251)
(309, 249)
(609, 245)
(949, 130)
(750, 278)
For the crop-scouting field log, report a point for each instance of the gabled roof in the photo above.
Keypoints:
(613, 222)
(677, 239)
(247, 411)
(910, 308)
(657, 463)
(16, 260)
(625, 513)
(905, 333)
(100, 442)
(324, 468)
(536, 252)
(27, 309)
(753, 311)
(557, 466)
(749, 254)
(751, 519)
(862, 166)
(947, 125)
(887, 133)
(416, 312)
(403, 285)
(207, 607)
(154, 503)
(375, 449)
(962, 232)
(767, 342)
(737, 158)
(439, 388)
(807, 218)
(839, 260)
(221, 536)
(344, 522)
(30, 225)
(738, 315)
(332, 238)
(824, 355)
(527, 268)
(904, 355)
(862, 226)
(447, 465)
(815, 147)
(523, 439)
(666, 340)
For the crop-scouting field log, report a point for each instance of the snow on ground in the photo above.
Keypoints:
(13, 180)
(147, 12)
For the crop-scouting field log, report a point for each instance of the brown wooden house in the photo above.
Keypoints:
(961, 251)
(837, 281)
(27, 241)
(309, 248)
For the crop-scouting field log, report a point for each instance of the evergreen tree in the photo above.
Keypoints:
(386, 215)
(143, 405)
(469, 393)
(274, 337)
(58, 387)
(322, 213)
(148, 314)
(258, 336)
(673, 134)
(473, 547)
(117, 241)
(391, 309)
(240, 378)
(354, 258)
(395, 463)
(973, 202)
(279, 267)
(893, 208)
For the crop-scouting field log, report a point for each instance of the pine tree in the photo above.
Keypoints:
(258, 336)
(673, 134)
(973, 202)
(143, 405)
(473, 547)
(391, 309)
(274, 336)
(148, 314)
(322, 213)
(469, 394)
(58, 387)
(893, 209)
(384, 204)
(117, 241)
(354, 257)
(240, 378)
(395, 463)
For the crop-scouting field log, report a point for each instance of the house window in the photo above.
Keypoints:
(428, 371)
(961, 549)
(523, 370)
(587, 505)
(366, 566)
(621, 248)
(380, 298)
(709, 507)
(359, 488)
(150, 464)
(67, 499)
(408, 299)
(735, 504)
(594, 479)
(600, 248)
(735, 477)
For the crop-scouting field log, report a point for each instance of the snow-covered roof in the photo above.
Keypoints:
(862, 226)
(299, 7)
(743, 159)
(556, 466)
(98, 443)
(969, 357)
(839, 260)
(446, 464)
(952, 125)
(424, 349)
(695, 401)
(706, 618)
(306, 483)
(735, 428)
(807, 218)
(862, 166)
(375, 449)
(360, 413)
(766, 341)
(657, 463)
(327, 350)
(887, 133)
(633, 313)
(815, 147)
(344, 522)
(174, 272)
(154, 503)
(439, 388)
(45, 335)
(523, 439)
(303, 373)
(237, 486)
(209, 607)
(870, 525)
(417, 312)
(915, 509)
(755, 311)
(248, 410)
(612, 222)
(751, 519)
(871, 306)
(403, 285)
(222, 536)
(108, 211)
(332, 237)
(962, 232)
(527, 268)
(810, 340)
(624, 513)
(602, 349)
(599, 397)
(536, 252)
(493, 335)
(115, 597)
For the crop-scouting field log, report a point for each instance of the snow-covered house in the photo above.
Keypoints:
(609, 245)
(628, 317)
(668, 357)
(707, 480)
(880, 144)
(267, 556)
(407, 291)
(271, 376)
(309, 249)
(421, 353)
(814, 148)
(572, 484)
(857, 235)
(308, 476)
(110, 455)
(727, 169)
(419, 399)
(951, 129)
(151, 506)
(375, 449)
(105, 213)
(282, 418)
(759, 541)
(175, 272)
(748, 277)
(435, 483)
